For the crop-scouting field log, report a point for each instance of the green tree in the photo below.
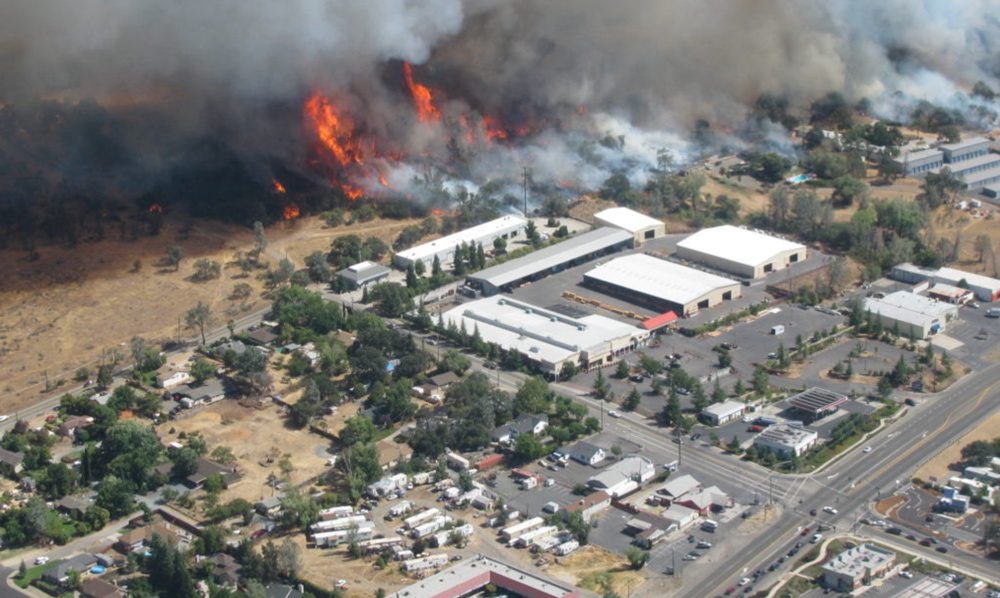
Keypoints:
(318, 267)
(175, 253)
(578, 526)
(650, 365)
(568, 369)
(259, 241)
(206, 269)
(527, 448)
(847, 190)
(198, 318)
(637, 558)
(115, 495)
(760, 382)
(534, 396)
(357, 429)
(632, 400)
(454, 361)
(622, 370)
(600, 386)
(201, 370)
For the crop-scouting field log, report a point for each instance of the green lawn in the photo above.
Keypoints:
(34, 573)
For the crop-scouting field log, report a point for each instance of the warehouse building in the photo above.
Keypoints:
(969, 160)
(745, 253)
(786, 440)
(661, 285)
(554, 258)
(642, 227)
(362, 274)
(914, 315)
(722, 413)
(950, 294)
(624, 476)
(505, 227)
(470, 578)
(547, 338)
(856, 567)
(984, 287)
(815, 403)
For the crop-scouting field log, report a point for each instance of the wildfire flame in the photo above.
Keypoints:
(442, 212)
(334, 130)
(290, 212)
(155, 208)
(278, 186)
(423, 99)
(494, 130)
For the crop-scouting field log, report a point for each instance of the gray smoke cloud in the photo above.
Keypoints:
(644, 69)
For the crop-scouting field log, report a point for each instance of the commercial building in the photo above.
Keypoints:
(786, 440)
(816, 403)
(623, 477)
(554, 258)
(661, 285)
(471, 576)
(586, 453)
(722, 413)
(916, 316)
(985, 288)
(590, 505)
(950, 294)
(642, 227)
(970, 160)
(706, 501)
(362, 274)
(857, 566)
(546, 338)
(679, 486)
(745, 253)
(505, 227)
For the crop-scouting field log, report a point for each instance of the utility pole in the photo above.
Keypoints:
(526, 176)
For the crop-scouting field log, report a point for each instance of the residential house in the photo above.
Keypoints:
(11, 461)
(526, 423)
(586, 453)
(262, 336)
(138, 538)
(225, 570)
(59, 574)
(74, 505)
(444, 380)
(208, 392)
(96, 587)
(69, 427)
(235, 346)
(168, 377)
(269, 507)
(206, 468)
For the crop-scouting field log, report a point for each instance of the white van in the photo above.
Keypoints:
(776, 330)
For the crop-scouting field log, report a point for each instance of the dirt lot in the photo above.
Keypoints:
(938, 466)
(598, 571)
(253, 435)
(59, 312)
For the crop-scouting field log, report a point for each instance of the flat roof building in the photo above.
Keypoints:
(986, 288)
(950, 294)
(642, 227)
(469, 577)
(547, 338)
(554, 258)
(623, 477)
(786, 440)
(722, 413)
(505, 227)
(362, 274)
(857, 566)
(743, 252)
(914, 315)
(816, 403)
(661, 285)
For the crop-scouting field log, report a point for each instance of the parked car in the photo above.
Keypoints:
(637, 378)
(614, 413)
(744, 581)
(941, 549)
(830, 510)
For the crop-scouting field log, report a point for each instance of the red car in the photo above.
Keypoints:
(805, 531)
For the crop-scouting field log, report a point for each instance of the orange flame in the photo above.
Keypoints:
(155, 208)
(278, 186)
(334, 130)
(423, 99)
(290, 212)
(442, 212)
(350, 192)
(494, 130)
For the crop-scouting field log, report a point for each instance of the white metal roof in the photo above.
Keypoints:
(659, 278)
(954, 276)
(679, 486)
(909, 307)
(538, 333)
(476, 233)
(725, 408)
(965, 143)
(738, 245)
(626, 219)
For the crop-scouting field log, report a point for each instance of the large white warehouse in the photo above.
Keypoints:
(505, 227)
(641, 226)
(739, 251)
(547, 338)
(661, 285)
(915, 315)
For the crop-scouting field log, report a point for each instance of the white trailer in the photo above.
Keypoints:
(329, 538)
(444, 538)
(380, 544)
(424, 477)
(566, 548)
(400, 508)
(528, 538)
(336, 512)
(457, 462)
(508, 533)
(415, 520)
(342, 523)
(546, 542)
(425, 529)
(424, 563)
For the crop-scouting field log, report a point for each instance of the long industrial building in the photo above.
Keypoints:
(661, 285)
(984, 287)
(538, 264)
(970, 160)
(470, 577)
(915, 315)
(505, 227)
(745, 253)
(642, 227)
(547, 338)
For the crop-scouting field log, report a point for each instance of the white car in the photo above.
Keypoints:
(341, 583)
(41, 560)
(830, 510)
(614, 413)
(746, 419)
(744, 581)
(867, 449)
(4, 418)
